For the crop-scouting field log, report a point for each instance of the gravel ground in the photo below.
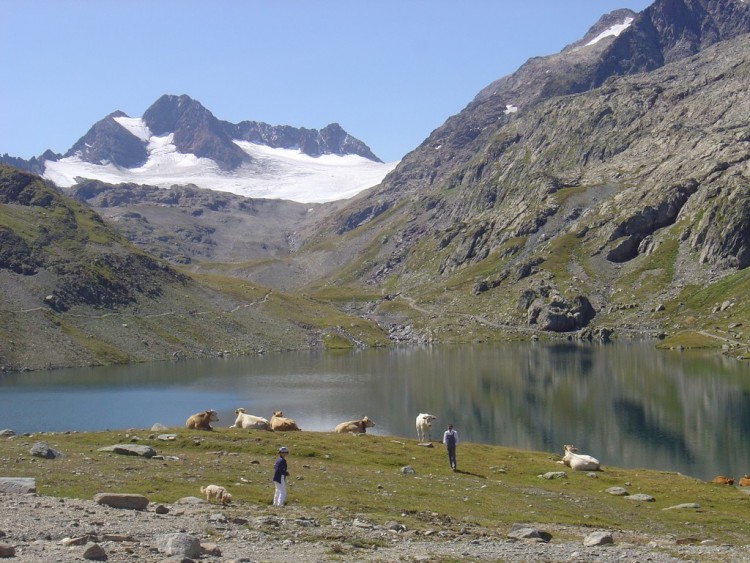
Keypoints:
(42, 529)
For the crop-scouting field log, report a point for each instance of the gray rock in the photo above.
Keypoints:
(94, 552)
(122, 500)
(158, 427)
(526, 532)
(179, 544)
(554, 475)
(617, 491)
(42, 449)
(17, 485)
(167, 437)
(684, 506)
(78, 540)
(7, 433)
(130, 449)
(598, 538)
(190, 500)
(407, 470)
(359, 523)
(395, 526)
(217, 518)
(641, 497)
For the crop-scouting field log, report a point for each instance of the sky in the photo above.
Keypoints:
(388, 71)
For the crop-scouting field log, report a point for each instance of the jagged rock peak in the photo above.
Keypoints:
(332, 139)
(196, 130)
(108, 142)
(609, 25)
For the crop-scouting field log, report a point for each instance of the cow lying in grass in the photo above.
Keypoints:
(354, 426)
(249, 421)
(279, 423)
(202, 420)
(579, 462)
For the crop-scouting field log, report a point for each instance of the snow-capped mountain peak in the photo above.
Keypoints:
(179, 142)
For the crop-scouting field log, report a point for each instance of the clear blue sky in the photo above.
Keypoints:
(389, 71)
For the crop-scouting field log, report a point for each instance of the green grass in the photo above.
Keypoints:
(361, 475)
(689, 339)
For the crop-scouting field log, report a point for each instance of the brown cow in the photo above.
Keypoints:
(721, 480)
(202, 420)
(354, 426)
(281, 424)
(745, 481)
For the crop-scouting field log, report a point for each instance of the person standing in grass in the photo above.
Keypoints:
(280, 474)
(450, 439)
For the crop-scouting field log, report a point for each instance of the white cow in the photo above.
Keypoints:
(579, 462)
(424, 426)
(249, 421)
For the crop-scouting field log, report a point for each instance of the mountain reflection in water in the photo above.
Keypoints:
(627, 404)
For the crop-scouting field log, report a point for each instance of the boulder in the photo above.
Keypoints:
(179, 545)
(130, 449)
(598, 538)
(17, 485)
(42, 449)
(554, 475)
(526, 532)
(94, 552)
(617, 491)
(122, 500)
(641, 497)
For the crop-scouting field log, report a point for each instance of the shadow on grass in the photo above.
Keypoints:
(469, 473)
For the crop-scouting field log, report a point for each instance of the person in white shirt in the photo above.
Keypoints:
(450, 439)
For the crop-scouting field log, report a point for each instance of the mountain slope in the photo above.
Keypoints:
(584, 208)
(75, 292)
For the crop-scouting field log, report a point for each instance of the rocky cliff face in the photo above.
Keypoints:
(196, 131)
(107, 141)
(332, 139)
(613, 174)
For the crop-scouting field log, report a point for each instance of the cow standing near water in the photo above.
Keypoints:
(424, 426)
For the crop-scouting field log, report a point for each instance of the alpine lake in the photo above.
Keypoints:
(626, 403)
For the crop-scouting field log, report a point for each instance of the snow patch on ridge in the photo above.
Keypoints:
(272, 173)
(136, 126)
(615, 30)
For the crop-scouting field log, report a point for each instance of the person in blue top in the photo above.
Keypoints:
(450, 439)
(280, 474)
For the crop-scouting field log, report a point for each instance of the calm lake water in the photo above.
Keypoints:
(627, 404)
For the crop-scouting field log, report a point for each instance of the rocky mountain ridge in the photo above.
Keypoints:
(178, 142)
(611, 188)
(196, 131)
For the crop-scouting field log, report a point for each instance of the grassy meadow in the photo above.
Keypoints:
(361, 476)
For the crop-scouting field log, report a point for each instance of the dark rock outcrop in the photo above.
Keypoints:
(196, 131)
(109, 142)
